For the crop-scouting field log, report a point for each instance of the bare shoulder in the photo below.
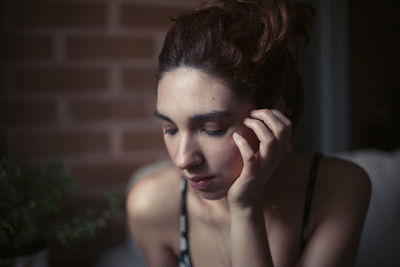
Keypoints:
(155, 196)
(342, 195)
(336, 178)
(341, 179)
(341, 199)
(153, 216)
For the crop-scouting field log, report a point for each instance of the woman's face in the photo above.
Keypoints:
(199, 115)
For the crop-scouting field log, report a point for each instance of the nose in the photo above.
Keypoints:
(188, 154)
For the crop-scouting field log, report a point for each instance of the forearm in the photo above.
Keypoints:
(249, 238)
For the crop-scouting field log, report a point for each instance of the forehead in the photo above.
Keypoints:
(193, 91)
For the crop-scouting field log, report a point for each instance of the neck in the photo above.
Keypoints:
(216, 207)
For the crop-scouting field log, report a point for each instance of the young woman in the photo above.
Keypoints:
(228, 96)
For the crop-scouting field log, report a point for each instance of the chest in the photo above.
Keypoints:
(209, 239)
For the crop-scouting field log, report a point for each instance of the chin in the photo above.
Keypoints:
(212, 195)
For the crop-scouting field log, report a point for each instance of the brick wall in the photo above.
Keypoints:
(77, 85)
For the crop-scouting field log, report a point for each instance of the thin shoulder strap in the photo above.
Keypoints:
(184, 257)
(309, 197)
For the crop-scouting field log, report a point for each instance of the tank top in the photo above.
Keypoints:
(184, 256)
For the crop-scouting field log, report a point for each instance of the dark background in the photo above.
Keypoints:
(350, 72)
(374, 57)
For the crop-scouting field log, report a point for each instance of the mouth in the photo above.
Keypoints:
(200, 183)
(198, 178)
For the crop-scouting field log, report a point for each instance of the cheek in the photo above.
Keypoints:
(227, 159)
(171, 148)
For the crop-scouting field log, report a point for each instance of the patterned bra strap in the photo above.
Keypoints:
(184, 257)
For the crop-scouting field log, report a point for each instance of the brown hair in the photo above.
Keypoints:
(251, 45)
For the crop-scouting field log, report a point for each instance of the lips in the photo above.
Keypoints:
(198, 178)
(200, 183)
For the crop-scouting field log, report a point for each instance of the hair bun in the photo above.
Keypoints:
(284, 23)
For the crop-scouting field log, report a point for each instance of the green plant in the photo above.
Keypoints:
(31, 201)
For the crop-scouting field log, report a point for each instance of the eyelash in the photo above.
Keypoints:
(171, 131)
(215, 133)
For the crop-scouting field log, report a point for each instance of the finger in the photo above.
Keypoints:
(267, 139)
(248, 154)
(285, 120)
(260, 129)
(278, 128)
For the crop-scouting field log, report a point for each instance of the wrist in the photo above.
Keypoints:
(246, 210)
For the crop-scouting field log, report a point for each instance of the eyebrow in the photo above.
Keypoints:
(218, 114)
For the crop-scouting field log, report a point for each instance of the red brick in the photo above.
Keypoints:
(106, 177)
(115, 47)
(105, 173)
(142, 140)
(60, 79)
(13, 113)
(58, 14)
(25, 47)
(147, 16)
(61, 143)
(109, 110)
(139, 79)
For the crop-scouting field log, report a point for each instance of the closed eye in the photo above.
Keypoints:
(219, 132)
(170, 131)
